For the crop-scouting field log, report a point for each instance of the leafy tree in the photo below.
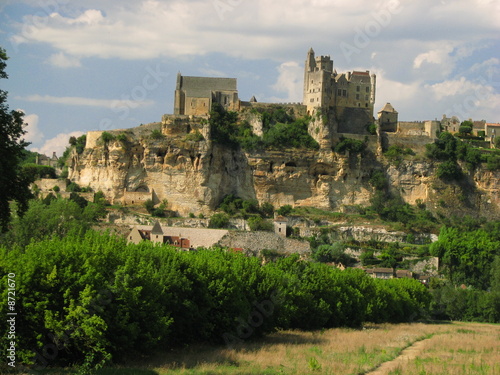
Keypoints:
(73, 187)
(465, 129)
(223, 126)
(52, 217)
(256, 223)
(267, 209)
(34, 172)
(466, 256)
(449, 170)
(107, 137)
(372, 129)
(291, 135)
(14, 186)
(333, 253)
(349, 144)
(378, 180)
(285, 210)
(219, 220)
(149, 206)
(497, 142)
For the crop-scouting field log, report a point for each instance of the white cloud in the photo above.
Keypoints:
(33, 133)
(57, 144)
(62, 60)
(78, 101)
(291, 81)
(437, 56)
(153, 28)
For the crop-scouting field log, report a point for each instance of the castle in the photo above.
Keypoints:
(348, 97)
(325, 88)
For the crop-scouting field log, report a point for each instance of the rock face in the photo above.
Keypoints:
(177, 161)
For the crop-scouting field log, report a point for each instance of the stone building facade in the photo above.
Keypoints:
(388, 118)
(324, 88)
(195, 95)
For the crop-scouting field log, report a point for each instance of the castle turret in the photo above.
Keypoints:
(310, 64)
(373, 80)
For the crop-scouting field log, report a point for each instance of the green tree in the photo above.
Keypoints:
(218, 220)
(14, 186)
(285, 210)
(267, 209)
(449, 170)
(333, 253)
(149, 206)
(257, 223)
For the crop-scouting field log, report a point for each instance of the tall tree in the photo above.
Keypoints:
(13, 184)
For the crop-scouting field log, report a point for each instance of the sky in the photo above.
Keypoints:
(77, 66)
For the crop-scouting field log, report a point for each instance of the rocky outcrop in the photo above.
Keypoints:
(185, 167)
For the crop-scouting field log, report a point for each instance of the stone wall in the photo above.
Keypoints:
(136, 197)
(47, 184)
(412, 128)
(353, 120)
(416, 143)
(257, 241)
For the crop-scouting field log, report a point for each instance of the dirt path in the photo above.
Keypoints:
(408, 354)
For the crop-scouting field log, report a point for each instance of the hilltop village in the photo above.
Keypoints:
(180, 165)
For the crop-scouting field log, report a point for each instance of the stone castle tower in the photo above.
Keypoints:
(349, 95)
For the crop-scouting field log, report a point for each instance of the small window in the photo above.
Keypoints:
(344, 92)
(367, 89)
(279, 229)
(339, 92)
(358, 88)
(357, 96)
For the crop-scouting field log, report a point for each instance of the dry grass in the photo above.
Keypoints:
(469, 348)
(458, 348)
(335, 351)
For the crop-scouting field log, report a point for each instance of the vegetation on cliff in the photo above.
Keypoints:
(280, 131)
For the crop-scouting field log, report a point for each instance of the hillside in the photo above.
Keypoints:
(183, 160)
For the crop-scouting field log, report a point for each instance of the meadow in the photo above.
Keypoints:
(376, 349)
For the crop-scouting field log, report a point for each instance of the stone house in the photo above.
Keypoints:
(380, 273)
(388, 118)
(185, 238)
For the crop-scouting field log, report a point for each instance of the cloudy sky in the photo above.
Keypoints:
(87, 65)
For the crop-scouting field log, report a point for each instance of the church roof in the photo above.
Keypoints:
(388, 108)
(202, 87)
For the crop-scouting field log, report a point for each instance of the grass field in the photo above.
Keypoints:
(443, 348)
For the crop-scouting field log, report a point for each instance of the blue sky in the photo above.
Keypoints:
(102, 64)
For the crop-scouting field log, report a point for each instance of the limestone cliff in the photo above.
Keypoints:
(175, 160)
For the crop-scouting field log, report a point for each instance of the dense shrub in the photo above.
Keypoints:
(219, 220)
(257, 223)
(449, 170)
(351, 145)
(34, 172)
(291, 135)
(97, 296)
